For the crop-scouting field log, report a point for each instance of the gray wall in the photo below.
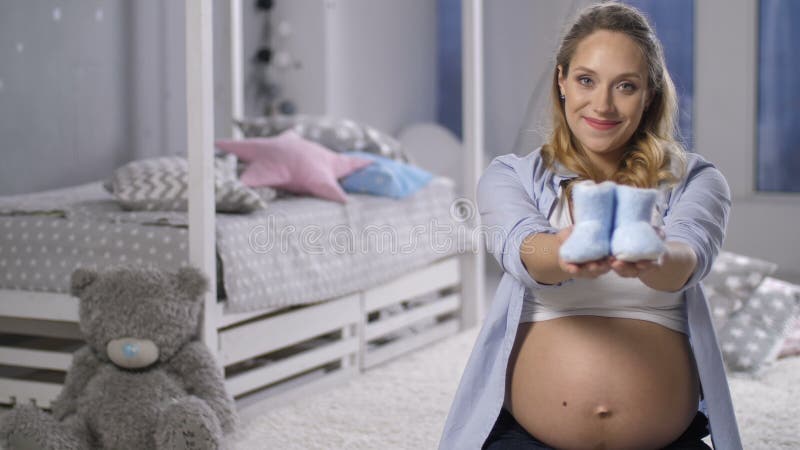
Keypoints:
(368, 60)
(86, 86)
(762, 224)
(519, 49)
(63, 105)
(93, 85)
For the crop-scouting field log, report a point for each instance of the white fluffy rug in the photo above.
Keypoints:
(403, 405)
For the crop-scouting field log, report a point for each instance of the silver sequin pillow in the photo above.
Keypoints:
(340, 135)
(162, 184)
(732, 281)
(754, 335)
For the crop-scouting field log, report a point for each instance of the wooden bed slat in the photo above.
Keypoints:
(39, 359)
(47, 328)
(226, 319)
(386, 352)
(256, 338)
(436, 276)
(433, 309)
(255, 378)
(38, 305)
(23, 391)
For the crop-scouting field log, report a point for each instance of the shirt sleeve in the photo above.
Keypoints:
(699, 217)
(509, 215)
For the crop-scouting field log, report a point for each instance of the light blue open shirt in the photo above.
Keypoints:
(516, 196)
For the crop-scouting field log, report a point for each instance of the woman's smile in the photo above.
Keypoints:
(602, 125)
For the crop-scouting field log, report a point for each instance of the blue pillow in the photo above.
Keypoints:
(385, 177)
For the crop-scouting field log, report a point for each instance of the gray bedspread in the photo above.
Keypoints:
(299, 250)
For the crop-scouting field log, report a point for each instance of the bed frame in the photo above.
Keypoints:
(271, 355)
(266, 353)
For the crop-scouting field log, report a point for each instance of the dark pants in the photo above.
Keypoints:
(508, 434)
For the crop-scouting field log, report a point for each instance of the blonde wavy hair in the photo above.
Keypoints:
(653, 156)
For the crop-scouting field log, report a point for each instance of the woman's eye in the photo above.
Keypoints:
(627, 86)
(585, 81)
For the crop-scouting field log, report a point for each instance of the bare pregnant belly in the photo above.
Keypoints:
(589, 382)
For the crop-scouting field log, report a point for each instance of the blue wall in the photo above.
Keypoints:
(448, 104)
(778, 96)
(674, 25)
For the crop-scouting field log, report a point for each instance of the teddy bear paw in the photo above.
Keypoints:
(189, 424)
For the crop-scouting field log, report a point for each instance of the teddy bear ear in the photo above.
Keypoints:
(81, 279)
(192, 281)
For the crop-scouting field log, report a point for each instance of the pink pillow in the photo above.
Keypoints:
(289, 162)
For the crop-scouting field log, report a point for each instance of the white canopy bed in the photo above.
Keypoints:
(270, 353)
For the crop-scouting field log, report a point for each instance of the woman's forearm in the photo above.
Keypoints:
(677, 265)
(539, 254)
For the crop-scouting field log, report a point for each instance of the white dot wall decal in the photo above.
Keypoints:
(56, 14)
(98, 15)
(20, 47)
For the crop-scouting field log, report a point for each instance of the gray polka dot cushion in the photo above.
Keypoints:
(162, 184)
(732, 281)
(754, 335)
(340, 135)
(791, 346)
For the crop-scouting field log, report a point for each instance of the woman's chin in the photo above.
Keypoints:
(599, 148)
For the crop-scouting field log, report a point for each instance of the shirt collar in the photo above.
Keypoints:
(561, 173)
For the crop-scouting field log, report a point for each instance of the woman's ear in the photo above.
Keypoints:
(561, 80)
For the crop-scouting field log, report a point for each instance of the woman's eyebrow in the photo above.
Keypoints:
(622, 75)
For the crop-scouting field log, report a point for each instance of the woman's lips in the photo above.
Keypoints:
(602, 124)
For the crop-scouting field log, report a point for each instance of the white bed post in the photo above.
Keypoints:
(237, 67)
(473, 273)
(199, 140)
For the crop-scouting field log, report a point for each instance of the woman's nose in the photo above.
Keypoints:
(603, 102)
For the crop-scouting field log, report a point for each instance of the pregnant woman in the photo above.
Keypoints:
(606, 354)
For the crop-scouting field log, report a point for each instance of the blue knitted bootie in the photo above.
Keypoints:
(634, 239)
(594, 215)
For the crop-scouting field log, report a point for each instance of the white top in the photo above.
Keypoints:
(608, 295)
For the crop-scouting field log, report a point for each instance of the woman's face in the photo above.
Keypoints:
(606, 92)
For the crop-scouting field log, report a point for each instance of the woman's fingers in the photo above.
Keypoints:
(625, 269)
(594, 269)
(632, 269)
(591, 269)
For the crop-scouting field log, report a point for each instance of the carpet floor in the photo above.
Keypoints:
(403, 405)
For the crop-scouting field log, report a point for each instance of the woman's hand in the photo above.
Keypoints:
(591, 269)
(594, 269)
(627, 269)
(637, 268)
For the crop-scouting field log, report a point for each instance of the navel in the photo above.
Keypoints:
(602, 412)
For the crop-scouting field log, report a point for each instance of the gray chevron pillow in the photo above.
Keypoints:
(161, 184)
(339, 135)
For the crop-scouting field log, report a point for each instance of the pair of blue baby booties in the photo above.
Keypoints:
(612, 219)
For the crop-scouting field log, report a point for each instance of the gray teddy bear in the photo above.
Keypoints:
(143, 381)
